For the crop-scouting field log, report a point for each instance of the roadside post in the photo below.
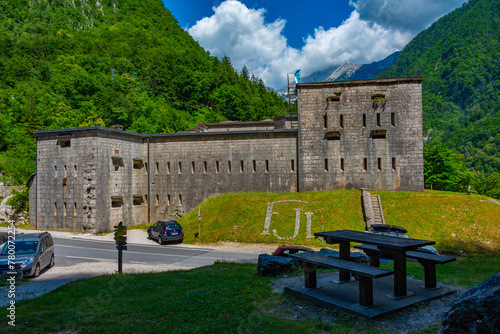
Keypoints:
(121, 242)
(322, 223)
(199, 222)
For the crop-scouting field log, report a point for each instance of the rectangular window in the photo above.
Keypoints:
(341, 121)
(378, 119)
(217, 167)
(241, 166)
(342, 164)
(138, 200)
(116, 202)
(326, 165)
(117, 163)
(168, 167)
(393, 119)
(364, 120)
(254, 166)
(293, 166)
(325, 121)
(365, 164)
(229, 167)
(204, 167)
(180, 167)
(267, 166)
(393, 163)
(138, 164)
(379, 163)
(192, 167)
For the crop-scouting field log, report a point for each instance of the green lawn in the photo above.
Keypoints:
(223, 298)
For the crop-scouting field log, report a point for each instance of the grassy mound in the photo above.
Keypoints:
(460, 224)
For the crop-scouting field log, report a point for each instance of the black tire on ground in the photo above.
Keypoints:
(37, 271)
(52, 263)
(160, 240)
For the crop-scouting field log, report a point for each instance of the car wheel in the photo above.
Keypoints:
(37, 271)
(52, 263)
(149, 235)
(160, 240)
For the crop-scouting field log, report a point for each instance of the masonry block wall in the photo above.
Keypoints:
(361, 134)
(349, 135)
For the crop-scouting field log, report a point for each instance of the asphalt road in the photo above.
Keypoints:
(73, 251)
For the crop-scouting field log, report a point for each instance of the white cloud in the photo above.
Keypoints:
(375, 29)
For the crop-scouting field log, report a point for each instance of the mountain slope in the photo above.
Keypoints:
(459, 57)
(348, 71)
(88, 62)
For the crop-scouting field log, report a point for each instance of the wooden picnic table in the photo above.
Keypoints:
(396, 245)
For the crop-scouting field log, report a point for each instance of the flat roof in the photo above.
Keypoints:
(361, 82)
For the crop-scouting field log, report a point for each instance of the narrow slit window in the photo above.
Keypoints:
(146, 170)
(204, 167)
(341, 121)
(55, 171)
(365, 164)
(192, 167)
(241, 166)
(379, 163)
(75, 170)
(180, 199)
(65, 209)
(364, 120)
(168, 199)
(393, 119)
(157, 168)
(217, 167)
(157, 199)
(65, 170)
(168, 167)
(254, 166)
(229, 167)
(74, 209)
(293, 165)
(325, 121)
(378, 119)
(393, 163)
(326, 165)
(342, 164)
(267, 166)
(180, 167)
(55, 208)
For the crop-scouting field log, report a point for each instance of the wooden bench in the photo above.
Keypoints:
(427, 260)
(366, 273)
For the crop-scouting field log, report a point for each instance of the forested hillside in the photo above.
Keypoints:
(71, 63)
(459, 58)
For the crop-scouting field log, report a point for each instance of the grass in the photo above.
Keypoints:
(222, 298)
(460, 224)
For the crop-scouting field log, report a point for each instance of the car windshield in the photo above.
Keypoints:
(21, 247)
(173, 226)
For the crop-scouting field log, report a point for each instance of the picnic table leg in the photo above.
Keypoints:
(309, 275)
(430, 275)
(365, 291)
(345, 254)
(399, 273)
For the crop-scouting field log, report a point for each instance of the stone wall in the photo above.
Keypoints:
(361, 134)
(351, 135)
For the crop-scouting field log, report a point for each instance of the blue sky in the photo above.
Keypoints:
(275, 37)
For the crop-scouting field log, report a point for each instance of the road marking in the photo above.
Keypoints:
(89, 258)
(138, 262)
(223, 257)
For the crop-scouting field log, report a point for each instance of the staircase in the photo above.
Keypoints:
(372, 208)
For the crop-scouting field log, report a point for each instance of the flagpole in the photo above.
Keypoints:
(199, 222)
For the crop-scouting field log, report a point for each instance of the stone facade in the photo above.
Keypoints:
(89, 179)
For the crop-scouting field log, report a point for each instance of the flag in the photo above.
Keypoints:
(297, 76)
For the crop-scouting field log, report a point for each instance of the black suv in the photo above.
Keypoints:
(166, 230)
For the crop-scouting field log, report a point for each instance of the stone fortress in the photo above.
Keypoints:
(346, 135)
